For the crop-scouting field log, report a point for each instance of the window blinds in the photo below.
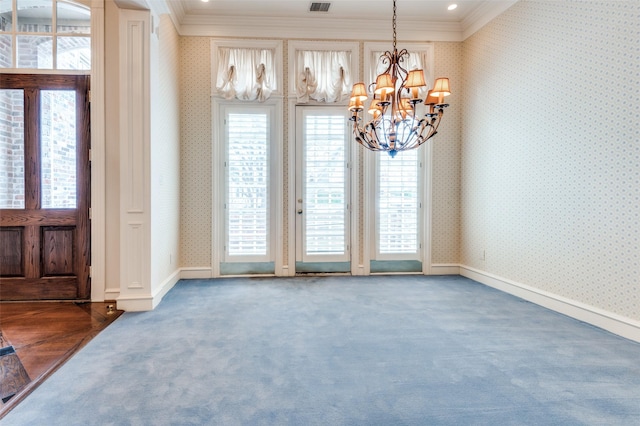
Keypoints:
(247, 184)
(398, 199)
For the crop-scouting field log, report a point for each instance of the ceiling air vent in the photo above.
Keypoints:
(319, 7)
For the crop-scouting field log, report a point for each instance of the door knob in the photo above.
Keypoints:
(299, 211)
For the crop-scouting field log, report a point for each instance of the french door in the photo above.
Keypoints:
(322, 190)
(248, 135)
(44, 187)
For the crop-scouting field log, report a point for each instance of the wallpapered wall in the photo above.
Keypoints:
(195, 112)
(445, 233)
(165, 151)
(195, 152)
(551, 150)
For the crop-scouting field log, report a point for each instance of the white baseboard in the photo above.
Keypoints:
(445, 269)
(617, 324)
(111, 293)
(148, 302)
(136, 303)
(196, 272)
(167, 285)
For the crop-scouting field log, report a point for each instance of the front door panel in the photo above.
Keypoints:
(44, 187)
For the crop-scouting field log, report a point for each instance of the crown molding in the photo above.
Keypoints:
(177, 13)
(325, 29)
(484, 14)
(132, 4)
(311, 28)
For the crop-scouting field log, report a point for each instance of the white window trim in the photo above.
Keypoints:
(218, 177)
(296, 45)
(247, 44)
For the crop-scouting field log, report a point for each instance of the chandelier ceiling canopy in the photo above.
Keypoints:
(394, 115)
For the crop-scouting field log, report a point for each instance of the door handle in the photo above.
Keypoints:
(299, 211)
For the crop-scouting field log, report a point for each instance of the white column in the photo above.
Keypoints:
(135, 226)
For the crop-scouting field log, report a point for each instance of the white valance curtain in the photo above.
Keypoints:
(415, 61)
(246, 74)
(324, 76)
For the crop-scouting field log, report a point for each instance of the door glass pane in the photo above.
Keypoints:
(11, 149)
(248, 184)
(5, 51)
(74, 53)
(324, 185)
(34, 16)
(398, 202)
(58, 144)
(73, 18)
(6, 15)
(35, 52)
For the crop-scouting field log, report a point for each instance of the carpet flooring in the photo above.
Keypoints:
(401, 350)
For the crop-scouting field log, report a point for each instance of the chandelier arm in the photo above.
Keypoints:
(384, 132)
(387, 56)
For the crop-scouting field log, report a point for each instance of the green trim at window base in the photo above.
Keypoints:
(247, 268)
(395, 266)
(310, 267)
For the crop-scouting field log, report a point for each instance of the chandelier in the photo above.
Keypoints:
(395, 123)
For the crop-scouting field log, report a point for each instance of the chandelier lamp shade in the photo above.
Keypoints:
(395, 121)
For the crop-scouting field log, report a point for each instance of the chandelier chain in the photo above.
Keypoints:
(394, 25)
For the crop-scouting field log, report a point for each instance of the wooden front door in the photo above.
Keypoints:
(44, 187)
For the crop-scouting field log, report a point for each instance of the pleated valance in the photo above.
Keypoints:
(246, 74)
(324, 76)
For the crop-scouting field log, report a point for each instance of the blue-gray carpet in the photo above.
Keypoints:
(402, 350)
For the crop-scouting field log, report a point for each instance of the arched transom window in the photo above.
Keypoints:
(45, 34)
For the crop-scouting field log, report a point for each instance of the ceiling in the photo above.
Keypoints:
(346, 19)
(433, 10)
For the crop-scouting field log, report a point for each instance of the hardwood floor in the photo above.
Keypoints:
(44, 336)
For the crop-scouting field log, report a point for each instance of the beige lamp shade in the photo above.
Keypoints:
(359, 92)
(415, 79)
(375, 107)
(355, 104)
(384, 84)
(431, 98)
(441, 87)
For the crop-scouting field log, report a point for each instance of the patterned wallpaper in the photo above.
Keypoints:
(195, 111)
(195, 152)
(551, 150)
(445, 222)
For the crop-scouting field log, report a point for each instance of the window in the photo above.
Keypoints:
(246, 197)
(12, 191)
(325, 184)
(45, 34)
(398, 195)
(247, 203)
